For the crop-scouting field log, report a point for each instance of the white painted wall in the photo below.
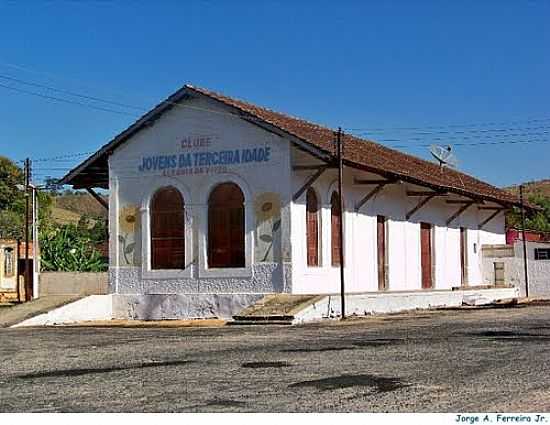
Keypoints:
(403, 237)
(514, 272)
(133, 188)
(288, 272)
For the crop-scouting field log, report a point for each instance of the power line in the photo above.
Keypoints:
(465, 131)
(72, 102)
(489, 136)
(164, 102)
(502, 142)
(436, 127)
(71, 93)
(140, 108)
(62, 157)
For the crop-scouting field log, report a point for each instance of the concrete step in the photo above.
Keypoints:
(275, 309)
(20, 312)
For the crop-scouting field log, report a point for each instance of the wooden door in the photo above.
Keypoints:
(381, 247)
(426, 255)
(463, 256)
(226, 230)
(312, 228)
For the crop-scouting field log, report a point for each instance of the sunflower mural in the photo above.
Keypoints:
(129, 234)
(267, 209)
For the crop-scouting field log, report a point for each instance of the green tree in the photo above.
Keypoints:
(10, 176)
(12, 201)
(539, 220)
(11, 225)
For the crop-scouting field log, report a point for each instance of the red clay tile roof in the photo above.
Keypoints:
(373, 156)
(359, 153)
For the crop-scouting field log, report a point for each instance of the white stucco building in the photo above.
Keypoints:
(215, 202)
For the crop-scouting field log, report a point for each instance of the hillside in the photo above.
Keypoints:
(63, 216)
(81, 204)
(539, 186)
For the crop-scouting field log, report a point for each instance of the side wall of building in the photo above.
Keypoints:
(510, 257)
(183, 149)
(402, 237)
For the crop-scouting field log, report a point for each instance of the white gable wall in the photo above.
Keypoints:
(133, 188)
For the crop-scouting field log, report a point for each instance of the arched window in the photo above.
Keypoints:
(226, 226)
(335, 217)
(167, 230)
(312, 228)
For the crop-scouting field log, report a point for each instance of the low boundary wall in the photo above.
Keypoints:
(73, 283)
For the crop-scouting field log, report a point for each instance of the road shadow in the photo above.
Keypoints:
(379, 342)
(510, 336)
(316, 350)
(380, 384)
(261, 365)
(224, 403)
(89, 371)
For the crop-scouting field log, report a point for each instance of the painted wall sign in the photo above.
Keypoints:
(203, 160)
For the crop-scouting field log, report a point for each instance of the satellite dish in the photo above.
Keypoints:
(444, 155)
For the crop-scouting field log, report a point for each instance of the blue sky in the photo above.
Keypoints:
(461, 72)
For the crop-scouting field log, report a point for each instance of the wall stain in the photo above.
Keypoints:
(380, 383)
(259, 365)
(89, 371)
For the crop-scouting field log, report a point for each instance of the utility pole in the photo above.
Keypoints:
(35, 247)
(17, 268)
(340, 149)
(525, 269)
(28, 286)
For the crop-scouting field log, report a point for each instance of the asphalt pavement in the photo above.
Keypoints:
(445, 361)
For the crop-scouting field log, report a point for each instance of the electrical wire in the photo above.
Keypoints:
(71, 93)
(72, 102)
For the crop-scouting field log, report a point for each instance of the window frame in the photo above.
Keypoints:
(147, 272)
(157, 238)
(334, 261)
(537, 255)
(319, 231)
(235, 272)
(13, 264)
(209, 237)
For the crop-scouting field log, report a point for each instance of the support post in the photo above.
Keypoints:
(28, 286)
(35, 245)
(525, 268)
(369, 195)
(98, 198)
(310, 181)
(488, 219)
(341, 227)
(460, 211)
(18, 245)
(420, 204)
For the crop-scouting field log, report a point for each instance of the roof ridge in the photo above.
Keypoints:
(248, 103)
(367, 154)
(223, 97)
